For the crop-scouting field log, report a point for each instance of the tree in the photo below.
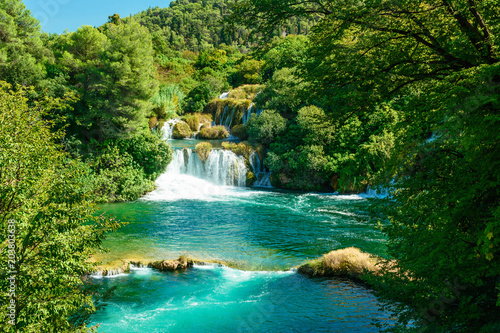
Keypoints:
(47, 220)
(266, 127)
(439, 62)
(22, 54)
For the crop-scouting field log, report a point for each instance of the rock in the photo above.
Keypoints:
(172, 265)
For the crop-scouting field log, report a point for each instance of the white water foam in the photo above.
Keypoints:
(188, 178)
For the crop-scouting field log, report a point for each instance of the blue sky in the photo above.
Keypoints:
(59, 15)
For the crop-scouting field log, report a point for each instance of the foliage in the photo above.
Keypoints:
(265, 127)
(213, 133)
(118, 178)
(181, 131)
(22, 54)
(56, 228)
(240, 149)
(112, 72)
(248, 71)
(240, 131)
(198, 25)
(283, 93)
(168, 102)
(150, 153)
(436, 62)
(203, 150)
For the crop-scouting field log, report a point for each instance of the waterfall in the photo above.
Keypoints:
(224, 95)
(259, 170)
(222, 167)
(168, 128)
(252, 109)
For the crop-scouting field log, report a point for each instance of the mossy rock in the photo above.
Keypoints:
(181, 131)
(193, 121)
(251, 178)
(214, 133)
(153, 122)
(240, 132)
(203, 150)
(240, 149)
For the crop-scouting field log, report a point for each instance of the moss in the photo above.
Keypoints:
(248, 91)
(240, 132)
(161, 123)
(153, 122)
(240, 149)
(181, 131)
(193, 121)
(236, 107)
(214, 133)
(350, 263)
(203, 150)
(251, 178)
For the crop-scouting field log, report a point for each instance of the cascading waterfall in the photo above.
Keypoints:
(187, 177)
(168, 128)
(259, 170)
(222, 167)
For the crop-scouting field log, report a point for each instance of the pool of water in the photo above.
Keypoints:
(262, 234)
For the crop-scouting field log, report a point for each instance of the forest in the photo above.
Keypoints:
(343, 96)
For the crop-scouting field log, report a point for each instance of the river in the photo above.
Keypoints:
(261, 233)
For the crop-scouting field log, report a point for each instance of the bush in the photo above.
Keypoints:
(181, 131)
(240, 132)
(116, 177)
(203, 150)
(149, 152)
(214, 133)
(266, 127)
(195, 120)
(168, 102)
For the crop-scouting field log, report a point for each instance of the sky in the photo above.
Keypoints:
(56, 16)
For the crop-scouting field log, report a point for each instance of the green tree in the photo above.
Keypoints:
(22, 55)
(53, 229)
(266, 127)
(439, 61)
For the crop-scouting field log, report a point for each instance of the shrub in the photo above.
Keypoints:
(214, 133)
(149, 152)
(203, 150)
(240, 132)
(181, 131)
(168, 102)
(266, 127)
(116, 177)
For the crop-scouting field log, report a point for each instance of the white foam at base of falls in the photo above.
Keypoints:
(187, 177)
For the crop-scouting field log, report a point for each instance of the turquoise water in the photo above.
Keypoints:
(262, 235)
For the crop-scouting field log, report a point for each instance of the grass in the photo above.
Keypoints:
(350, 262)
